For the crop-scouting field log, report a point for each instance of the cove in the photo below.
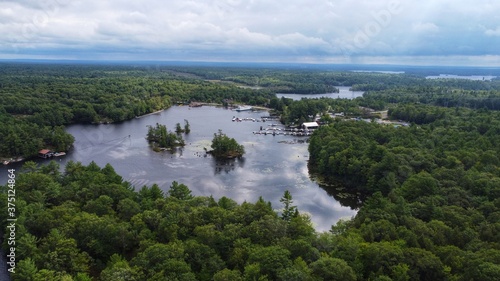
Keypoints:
(271, 165)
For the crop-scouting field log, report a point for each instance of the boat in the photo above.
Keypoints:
(57, 154)
(243, 108)
(6, 162)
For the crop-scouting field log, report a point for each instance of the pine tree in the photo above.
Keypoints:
(180, 191)
(187, 127)
(178, 128)
(289, 211)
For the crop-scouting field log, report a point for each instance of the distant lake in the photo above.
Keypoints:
(271, 165)
(380, 71)
(344, 93)
(469, 77)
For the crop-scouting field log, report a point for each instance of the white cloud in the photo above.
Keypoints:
(493, 32)
(7, 15)
(134, 17)
(427, 27)
(256, 29)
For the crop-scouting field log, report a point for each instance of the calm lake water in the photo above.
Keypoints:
(344, 93)
(470, 77)
(271, 165)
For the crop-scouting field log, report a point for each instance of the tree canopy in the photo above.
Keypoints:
(429, 191)
(160, 138)
(226, 147)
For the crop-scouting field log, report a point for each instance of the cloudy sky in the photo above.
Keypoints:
(445, 32)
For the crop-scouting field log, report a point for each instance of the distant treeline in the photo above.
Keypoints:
(36, 98)
(42, 96)
(301, 78)
(440, 96)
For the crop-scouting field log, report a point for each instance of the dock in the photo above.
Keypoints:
(277, 129)
(261, 119)
(270, 118)
(284, 132)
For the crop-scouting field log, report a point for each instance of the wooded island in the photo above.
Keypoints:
(226, 147)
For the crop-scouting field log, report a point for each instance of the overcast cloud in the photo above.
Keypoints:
(334, 31)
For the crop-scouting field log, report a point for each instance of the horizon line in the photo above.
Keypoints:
(194, 62)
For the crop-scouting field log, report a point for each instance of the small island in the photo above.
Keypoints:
(161, 139)
(226, 147)
(179, 129)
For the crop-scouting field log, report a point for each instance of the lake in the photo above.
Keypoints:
(379, 71)
(344, 93)
(469, 77)
(271, 165)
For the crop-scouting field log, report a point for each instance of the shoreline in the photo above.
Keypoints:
(6, 161)
(12, 160)
(152, 113)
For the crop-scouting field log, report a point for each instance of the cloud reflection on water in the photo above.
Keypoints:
(267, 169)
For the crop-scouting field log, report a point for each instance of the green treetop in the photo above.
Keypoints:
(226, 147)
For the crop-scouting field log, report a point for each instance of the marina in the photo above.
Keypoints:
(277, 129)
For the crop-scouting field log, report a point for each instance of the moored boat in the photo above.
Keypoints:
(243, 108)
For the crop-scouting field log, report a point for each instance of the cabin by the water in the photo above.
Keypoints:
(45, 153)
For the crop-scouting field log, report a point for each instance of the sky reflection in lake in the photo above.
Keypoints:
(267, 169)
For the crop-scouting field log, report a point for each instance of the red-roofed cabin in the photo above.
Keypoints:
(45, 153)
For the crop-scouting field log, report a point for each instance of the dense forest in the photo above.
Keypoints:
(319, 80)
(429, 191)
(88, 223)
(38, 98)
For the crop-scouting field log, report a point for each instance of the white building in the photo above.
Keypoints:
(310, 125)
